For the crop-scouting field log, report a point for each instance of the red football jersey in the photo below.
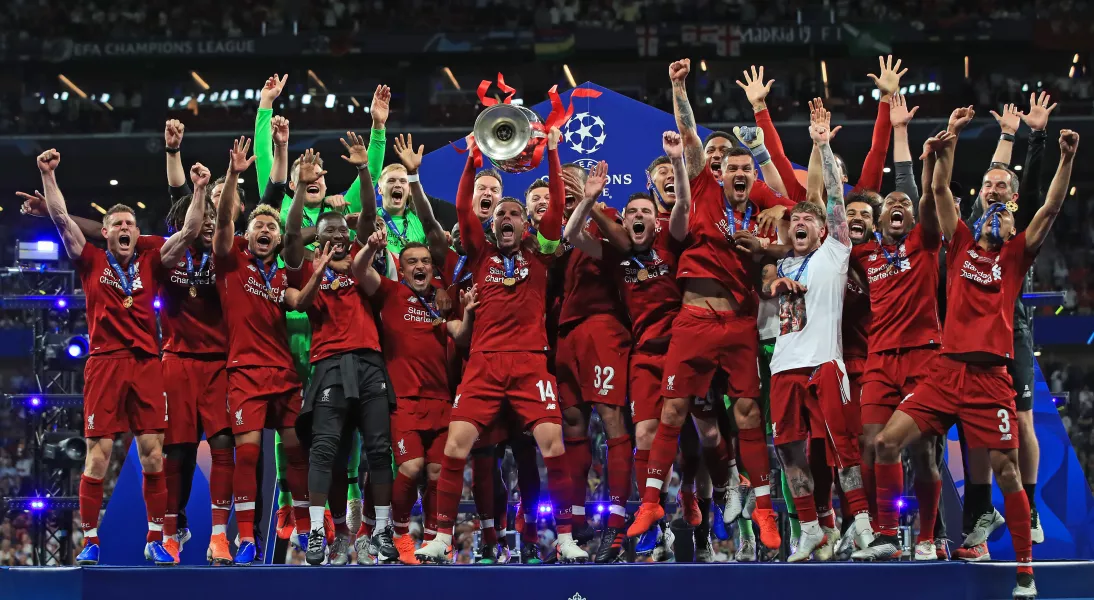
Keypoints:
(856, 320)
(191, 324)
(414, 348)
(110, 325)
(509, 318)
(981, 289)
(588, 286)
(455, 267)
(341, 317)
(712, 254)
(253, 312)
(903, 295)
(653, 302)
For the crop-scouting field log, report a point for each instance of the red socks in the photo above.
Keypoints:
(245, 488)
(91, 503)
(662, 454)
(927, 493)
(173, 477)
(890, 483)
(717, 461)
(296, 474)
(482, 488)
(449, 490)
(869, 486)
(619, 479)
(641, 465)
(755, 461)
(559, 481)
(220, 487)
(856, 503)
(404, 492)
(807, 508)
(155, 504)
(1016, 506)
(580, 459)
(429, 511)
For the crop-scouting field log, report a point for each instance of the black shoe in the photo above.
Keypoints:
(315, 554)
(383, 540)
(611, 546)
(529, 555)
(584, 535)
(488, 554)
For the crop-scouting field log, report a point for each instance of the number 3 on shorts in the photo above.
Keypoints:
(603, 378)
(1005, 418)
(545, 391)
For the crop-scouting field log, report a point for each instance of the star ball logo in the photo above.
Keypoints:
(585, 133)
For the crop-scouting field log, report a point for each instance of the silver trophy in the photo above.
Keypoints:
(509, 135)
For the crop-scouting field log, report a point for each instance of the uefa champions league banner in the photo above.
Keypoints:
(605, 126)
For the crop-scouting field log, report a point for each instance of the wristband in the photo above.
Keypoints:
(170, 150)
(1007, 137)
(761, 154)
(412, 177)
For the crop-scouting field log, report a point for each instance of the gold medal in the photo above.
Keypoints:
(1012, 206)
(193, 292)
(509, 281)
(334, 285)
(437, 321)
(643, 274)
(128, 301)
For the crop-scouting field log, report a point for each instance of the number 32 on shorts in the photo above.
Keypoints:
(602, 379)
(547, 392)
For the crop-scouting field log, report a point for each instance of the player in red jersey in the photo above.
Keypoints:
(716, 326)
(508, 364)
(592, 351)
(809, 387)
(123, 384)
(263, 388)
(968, 382)
(415, 333)
(644, 271)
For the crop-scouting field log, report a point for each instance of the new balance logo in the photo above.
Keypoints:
(671, 384)
(1006, 437)
(239, 417)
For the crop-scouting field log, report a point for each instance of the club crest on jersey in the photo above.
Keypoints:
(110, 277)
(91, 422)
(239, 417)
(402, 447)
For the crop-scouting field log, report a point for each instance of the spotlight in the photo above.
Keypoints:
(34, 402)
(900, 504)
(156, 304)
(78, 347)
(546, 509)
(62, 303)
(599, 508)
(37, 505)
(65, 352)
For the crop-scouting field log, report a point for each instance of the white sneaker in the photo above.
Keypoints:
(1026, 590)
(569, 551)
(985, 524)
(825, 551)
(435, 551)
(363, 556)
(864, 535)
(353, 515)
(925, 551)
(663, 551)
(846, 544)
(338, 552)
(734, 504)
(811, 539)
(1036, 532)
(746, 551)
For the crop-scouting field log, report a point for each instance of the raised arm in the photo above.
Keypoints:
(685, 118)
(35, 206)
(900, 115)
(302, 299)
(756, 91)
(833, 183)
(308, 173)
(927, 211)
(472, 237)
(673, 145)
(367, 276)
(224, 235)
(172, 140)
(887, 82)
(1054, 199)
(71, 236)
(412, 161)
(814, 179)
(279, 131)
(1029, 187)
(575, 232)
(1008, 125)
(357, 155)
(263, 137)
(943, 170)
(550, 226)
(175, 247)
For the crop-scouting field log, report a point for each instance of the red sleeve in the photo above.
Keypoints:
(150, 242)
(551, 224)
(471, 234)
(962, 238)
(86, 261)
(765, 197)
(870, 179)
(384, 290)
(794, 189)
(298, 278)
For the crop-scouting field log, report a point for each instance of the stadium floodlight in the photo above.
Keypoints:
(305, 99)
(331, 99)
(213, 97)
(201, 98)
(170, 103)
(235, 94)
(104, 98)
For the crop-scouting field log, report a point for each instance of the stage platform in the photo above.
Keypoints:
(669, 581)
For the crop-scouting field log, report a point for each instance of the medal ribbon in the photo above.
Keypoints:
(459, 268)
(892, 258)
(190, 266)
(731, 218)
(269, 275)
(432, 311)
(510, 266)
(801, 269)
(330, 274)
(993, 214)
(395, 229)
(126, 277)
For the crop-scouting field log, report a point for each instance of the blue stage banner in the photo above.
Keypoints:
(610, 127)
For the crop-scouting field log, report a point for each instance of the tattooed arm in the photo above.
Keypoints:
(685, 118)
(833, 184)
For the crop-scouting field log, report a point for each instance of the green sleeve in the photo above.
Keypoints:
(263, 148)
(377, 146)
(547, 246)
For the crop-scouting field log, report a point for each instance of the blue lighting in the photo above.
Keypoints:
(62, 303)
(35, 401)
(77, 346)
(37, 505)
(47, 246)
(599, 508)
(156, 304)
(546, 509)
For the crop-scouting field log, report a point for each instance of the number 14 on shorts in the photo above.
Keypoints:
(547, 392)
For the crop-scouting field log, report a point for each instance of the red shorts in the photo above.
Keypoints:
(591, 362)
(197, 397)
(519, 380)
(263, 398)
(856, 368)
(981, 398)
(702, 341)
(123, 392)
(419, 429)
(890, 376)
(816, 403)
(646, 373)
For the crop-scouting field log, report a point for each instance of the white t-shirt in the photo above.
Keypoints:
(767, 317)
(810, 327)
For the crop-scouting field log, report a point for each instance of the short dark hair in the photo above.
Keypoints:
(413, 245)
(721, 134)
(490, 172)
(539, 183)
(809, 207)
(177, 213)
(326, 216)
(116, 209)
(738, 151)
(508, 199)
(640, 196)
(577, 167)
(657, 162)
(873, 199)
